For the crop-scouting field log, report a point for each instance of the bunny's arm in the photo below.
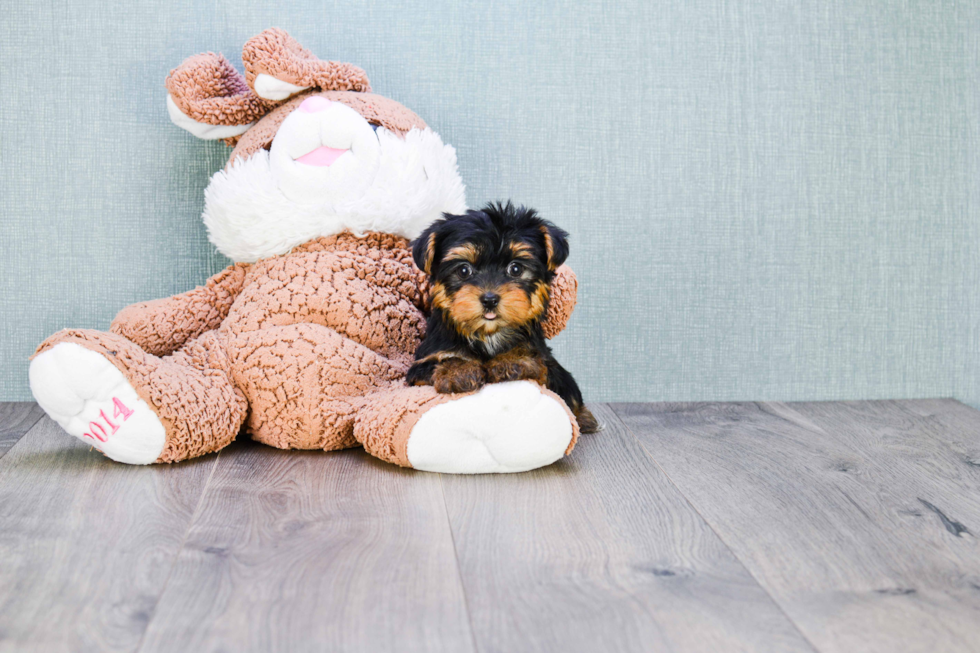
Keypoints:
(162, 326)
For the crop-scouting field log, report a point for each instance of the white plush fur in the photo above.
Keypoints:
(339, 127)
(200, 129)
(505, 427)
(270, 88)
(249, 216)
(75, 386)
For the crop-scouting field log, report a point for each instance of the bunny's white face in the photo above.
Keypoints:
(327, 171)
(324, 151)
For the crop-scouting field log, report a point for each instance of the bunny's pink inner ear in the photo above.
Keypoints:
(277, 66)
(210, 99)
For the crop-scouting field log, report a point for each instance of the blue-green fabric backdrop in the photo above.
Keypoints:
(768, 200)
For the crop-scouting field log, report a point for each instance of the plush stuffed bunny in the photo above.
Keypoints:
(306, 339)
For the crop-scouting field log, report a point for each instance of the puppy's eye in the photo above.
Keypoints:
(515, 270)
(464, 271)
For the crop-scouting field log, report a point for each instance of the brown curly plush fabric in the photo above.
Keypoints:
(208, 89)
(276, 53)
(564, 292)
(308, 350)
(163, 325)
(384, 425)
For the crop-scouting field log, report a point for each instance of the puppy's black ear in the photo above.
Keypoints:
(555, 245)
(424, 247)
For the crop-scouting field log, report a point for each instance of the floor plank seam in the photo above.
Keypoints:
(176, 558)
(33, 426)
(715, 531)
(459, 570)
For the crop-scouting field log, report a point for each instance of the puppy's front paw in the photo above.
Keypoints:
(419, 374)
(516, 368)
(458, 375)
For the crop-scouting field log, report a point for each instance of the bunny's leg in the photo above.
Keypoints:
(135, 407)
(504, 427)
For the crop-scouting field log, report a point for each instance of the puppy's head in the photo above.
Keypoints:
(490, 269)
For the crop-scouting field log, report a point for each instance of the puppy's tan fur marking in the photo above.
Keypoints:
(430, 253)
(440, 356)
(521, 250)
(440, 298)
(466, 311)
(466, 252)
(539, 299)
(515, 307)
(549, 248)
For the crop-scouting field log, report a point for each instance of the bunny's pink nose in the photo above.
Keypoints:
(314, 103)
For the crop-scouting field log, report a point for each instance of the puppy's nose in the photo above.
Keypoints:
(314, 103)
(489, 300)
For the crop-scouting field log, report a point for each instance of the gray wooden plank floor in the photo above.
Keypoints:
(599, 552)
(682, 527)
(855, 517)
(292, 548)
(86, 544)
(16, 419)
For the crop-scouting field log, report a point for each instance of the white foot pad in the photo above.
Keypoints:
(91, 399)
(505, 427)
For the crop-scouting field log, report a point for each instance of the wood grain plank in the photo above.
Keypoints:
(16, 419)
(599, 552)
(957, 428)
(86, 544)
(302, 550)
(835, 508)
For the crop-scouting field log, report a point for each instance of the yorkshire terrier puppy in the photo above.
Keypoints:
(490, 272)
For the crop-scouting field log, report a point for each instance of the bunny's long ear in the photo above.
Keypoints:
(277, 66)
(210, 99)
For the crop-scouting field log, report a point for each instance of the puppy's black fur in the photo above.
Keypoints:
(490, 272)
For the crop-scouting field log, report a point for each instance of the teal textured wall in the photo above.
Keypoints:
(768, 200)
